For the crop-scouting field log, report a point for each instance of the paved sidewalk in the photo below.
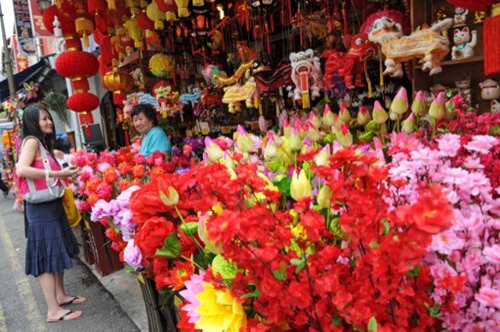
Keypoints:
(123, 287)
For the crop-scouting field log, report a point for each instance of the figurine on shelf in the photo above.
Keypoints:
(436, 89)
(495, 106)
(460, 17)
(464, 43)
(463, 86)
(489, 89)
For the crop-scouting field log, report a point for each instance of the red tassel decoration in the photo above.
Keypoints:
(491, 36)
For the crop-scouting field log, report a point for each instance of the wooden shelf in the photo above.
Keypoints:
(445, 63)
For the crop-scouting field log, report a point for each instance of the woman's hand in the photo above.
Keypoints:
(68, 171)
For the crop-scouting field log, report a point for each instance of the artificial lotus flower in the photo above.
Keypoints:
(244, 141)
(344, 136)
(306, 145)
(300, 187)
(324, 195)
(328, 117)
(202, 231)
(287, 129)
(283, 118)
(408, 125)
(364, 116)
(314, 119)
(170, 198)
(219, 310)
(312, 131)
(323, 156)
(271, 150)
(300, 128)
(399, 105)
(379, 114)
(295, 140)
(278, 140)
(227, 160)
(344, 115)
(437, 110)
(418, 106)
(213, 151)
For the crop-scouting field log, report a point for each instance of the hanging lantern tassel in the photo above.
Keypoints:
(84, 27)
(86, 119)
(111, 5)
(491, 35)
(304, 88)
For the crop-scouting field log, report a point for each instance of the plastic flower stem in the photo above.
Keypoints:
(178, 213)
(197, 243)
(193, 262)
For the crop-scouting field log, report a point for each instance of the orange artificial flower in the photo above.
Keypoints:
(110, 175)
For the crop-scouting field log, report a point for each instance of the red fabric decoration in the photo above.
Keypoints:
(475, 6)
(80, 84)
(99, 36)
(67, 24)
(76, 63)
(107, 51)
(82, 102)
(101, 23)
(393, 14)
(86, 118)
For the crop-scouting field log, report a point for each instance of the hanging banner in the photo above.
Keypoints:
(21, 60)
(36, 14)
(24, 29)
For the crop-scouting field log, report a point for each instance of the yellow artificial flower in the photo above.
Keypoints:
(219, 311)
(300, 186)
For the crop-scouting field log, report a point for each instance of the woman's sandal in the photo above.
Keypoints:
(74, 300)
(64, 316)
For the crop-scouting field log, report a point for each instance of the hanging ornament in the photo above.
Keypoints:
(182, 8)
(84, 28)
(161, 65)
(156, 15)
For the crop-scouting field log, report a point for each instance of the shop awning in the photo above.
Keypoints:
(31, 73)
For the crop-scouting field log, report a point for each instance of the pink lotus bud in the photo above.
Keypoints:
(271, 150)
(244, 141)
(286, 129)
(387, 102)
(214, 152)
(344, 115)
(323, 156)
(301, 130)
(295, 140)
(312, 132)
(328, 118)
(344, 136)
(408, 125)
(379, 114)
(364, 116)
(314, 119)
(418, 107)
(400, 103)
(437, 109)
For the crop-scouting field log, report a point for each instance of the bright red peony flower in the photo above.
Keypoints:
(152, 235)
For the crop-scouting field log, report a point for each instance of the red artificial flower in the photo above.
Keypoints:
(124, 168)
(123, 185)
(138, 171)
(184, 325)
(110, 175)
(152, 235)
(176, 277)
(432, 213)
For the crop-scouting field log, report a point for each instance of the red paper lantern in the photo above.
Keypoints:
(95, 6)
(77, 64)
(167, 5)
(83, 102)
(144, 22)
(67, 23)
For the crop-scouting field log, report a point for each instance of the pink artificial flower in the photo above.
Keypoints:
(492, 254)
(101, 167)
(489, 297)
(99, 210)
(194, 286)
(449, 144)
(481, 143)
(445, 242)
(473, 163)
(132, 255)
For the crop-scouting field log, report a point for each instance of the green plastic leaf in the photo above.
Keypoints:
(337, 320)
(171, 247)
(276, 165)
(374, 244)
(280, 274)
(300, 263)
(225, 268)
(171, 199)
(255, 293)
(372, 126)
(387, 228)
(366, 136)
(372, 325)
(495, 130)
(190, 228)
(283, 186)
(414, 273)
